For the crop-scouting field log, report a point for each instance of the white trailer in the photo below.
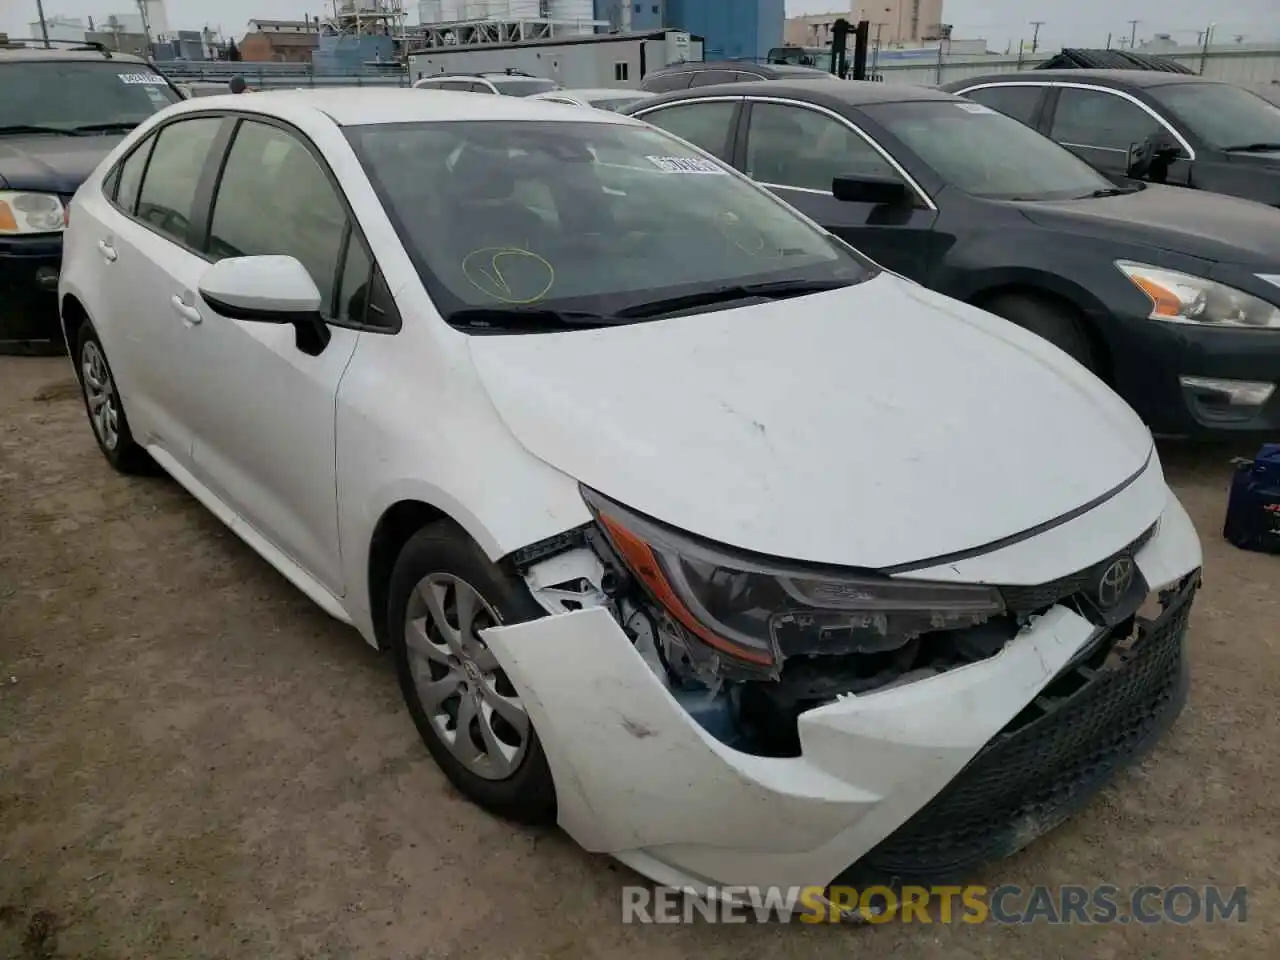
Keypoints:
(590, 60)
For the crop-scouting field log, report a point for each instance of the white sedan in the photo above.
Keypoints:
(686, 525)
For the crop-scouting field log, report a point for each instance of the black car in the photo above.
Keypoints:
(1172, 296)
(62, 109)
(1168, 127)
(703, 73)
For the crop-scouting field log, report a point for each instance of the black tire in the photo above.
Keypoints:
(1058, 323)
(126, 456)
(527, 795)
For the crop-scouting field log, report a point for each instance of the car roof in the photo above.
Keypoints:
(359, 106)
(596, 93)
(34, 50)
(482, 74)
(827, 93)
(739, 66)
(1107, 78)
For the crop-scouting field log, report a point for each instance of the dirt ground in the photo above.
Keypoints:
(196, 762)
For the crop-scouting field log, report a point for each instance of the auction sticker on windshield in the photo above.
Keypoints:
(685, 165)
(974, 108)
(141, 79)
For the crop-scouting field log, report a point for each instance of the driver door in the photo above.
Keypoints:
(797, 150)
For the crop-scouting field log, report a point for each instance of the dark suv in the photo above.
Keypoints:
(704, 73)
(62, 108)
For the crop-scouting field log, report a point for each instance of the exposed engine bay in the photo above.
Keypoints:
(818, 657)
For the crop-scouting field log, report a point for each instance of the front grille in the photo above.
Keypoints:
(1089, 722)
(1042, 595)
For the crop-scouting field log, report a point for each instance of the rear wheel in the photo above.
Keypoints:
(443, 592)
(1058, 323)
(103, 405)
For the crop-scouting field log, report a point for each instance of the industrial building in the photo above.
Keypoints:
(745, 29)
(587, 60)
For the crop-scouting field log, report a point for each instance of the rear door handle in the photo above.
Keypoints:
(108, 251)
(189, 314)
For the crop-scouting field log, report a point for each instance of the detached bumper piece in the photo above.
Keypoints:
(1100, 714)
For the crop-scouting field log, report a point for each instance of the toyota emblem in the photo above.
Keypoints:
(1115, 582)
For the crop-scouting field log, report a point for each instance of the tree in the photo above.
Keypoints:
(233, 52)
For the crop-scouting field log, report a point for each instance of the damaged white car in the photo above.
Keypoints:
(687, 526)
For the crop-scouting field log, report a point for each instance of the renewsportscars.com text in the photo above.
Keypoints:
(1007, 904)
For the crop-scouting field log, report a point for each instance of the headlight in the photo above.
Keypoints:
(1183, 298)
(760, 611)
(30, 213)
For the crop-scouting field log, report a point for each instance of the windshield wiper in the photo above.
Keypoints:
(526, 320)
(36, 128)
(1252, 147)
(106, 127)
(777, 289)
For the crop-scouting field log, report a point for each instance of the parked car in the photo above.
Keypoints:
(602, 98)
(702, 73)
(1172, 296)
(1200, 133)
(685, 524)
(197, 88)
(509, 84)
(62, 108)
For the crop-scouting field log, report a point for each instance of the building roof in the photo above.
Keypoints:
(1080, 58)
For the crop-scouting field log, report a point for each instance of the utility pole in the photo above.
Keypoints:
(875, 52)
(1204, 50)
(1133, 33)
(44, 27)
(1035, 35)
(1108, 41)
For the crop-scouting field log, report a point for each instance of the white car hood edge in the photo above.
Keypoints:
(876, 426)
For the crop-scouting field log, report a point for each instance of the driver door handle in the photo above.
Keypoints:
(108, 251)
(189, 314)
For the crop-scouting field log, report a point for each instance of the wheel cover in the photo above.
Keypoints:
(468, 700)
(100, 395)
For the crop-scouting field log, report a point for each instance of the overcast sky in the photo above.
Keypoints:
(1067, 22)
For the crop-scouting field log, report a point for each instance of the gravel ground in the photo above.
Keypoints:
(196, 762)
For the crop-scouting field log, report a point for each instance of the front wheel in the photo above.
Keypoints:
(1058, 323)
(444, 591)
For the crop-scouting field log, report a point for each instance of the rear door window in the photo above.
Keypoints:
(1017, 102)
(706, 125)
(173, 173)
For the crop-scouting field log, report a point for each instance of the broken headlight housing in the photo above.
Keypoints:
(759, 611)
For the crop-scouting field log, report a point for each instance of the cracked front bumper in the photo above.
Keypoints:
(918, 782)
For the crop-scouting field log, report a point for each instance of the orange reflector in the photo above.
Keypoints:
(1164, 302)
(7, 220)
(639, 557)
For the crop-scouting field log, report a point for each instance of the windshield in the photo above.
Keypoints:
(522, 87)
(1222, 115)
(804, 57)
(583, 216)
(985, 153)
(67, 95)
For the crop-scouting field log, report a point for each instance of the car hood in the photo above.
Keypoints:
(48, 163)
(1193, 222)
(872, 426)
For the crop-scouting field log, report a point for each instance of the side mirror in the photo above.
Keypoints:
(271, 289)
(869, 188)
(1152, 157)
